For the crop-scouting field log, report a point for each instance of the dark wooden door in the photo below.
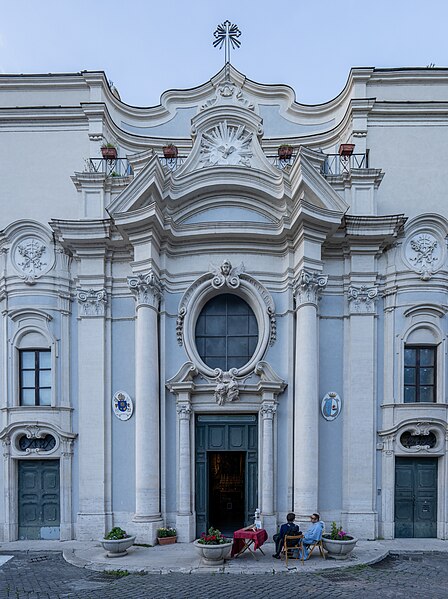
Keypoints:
(39, 499)
(226, 433)
(415, 497)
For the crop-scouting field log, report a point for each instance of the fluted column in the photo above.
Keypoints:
(147, 435)
(307, 288)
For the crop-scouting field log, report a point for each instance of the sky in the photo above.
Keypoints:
(146, 46)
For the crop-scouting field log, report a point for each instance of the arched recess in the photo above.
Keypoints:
(12, 452)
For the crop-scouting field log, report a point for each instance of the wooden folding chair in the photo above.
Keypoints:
(292, 544)
(311, 547)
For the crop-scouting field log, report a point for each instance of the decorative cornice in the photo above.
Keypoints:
(362, 299)
(92, 302)
(308, 286)
(146, 288)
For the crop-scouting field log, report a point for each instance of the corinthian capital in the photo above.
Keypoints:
(146, 288)
(308, 286)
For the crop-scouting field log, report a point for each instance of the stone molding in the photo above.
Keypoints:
(268, 410)
(308, 286)
(92, 302)
(362, 299)
(146, 288)
(391, 444)
(244, 285)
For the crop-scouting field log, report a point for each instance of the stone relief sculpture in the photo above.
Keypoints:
(92, 302)
(226, 389)
(362, 298)
(30, 258)
(226, 145)
(226, 275)
(423, 254)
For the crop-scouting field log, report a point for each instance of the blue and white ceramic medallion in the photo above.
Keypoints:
(122, 405)
(331, 406)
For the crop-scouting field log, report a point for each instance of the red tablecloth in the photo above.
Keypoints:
(259, 536)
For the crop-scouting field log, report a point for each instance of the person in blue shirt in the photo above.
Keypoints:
(313, 534)
(286, 529)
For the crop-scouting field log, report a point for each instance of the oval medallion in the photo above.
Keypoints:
(331, 406)
(122, 405)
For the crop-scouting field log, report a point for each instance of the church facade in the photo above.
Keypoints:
(226, 302)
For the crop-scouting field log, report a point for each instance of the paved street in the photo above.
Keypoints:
(39, 575)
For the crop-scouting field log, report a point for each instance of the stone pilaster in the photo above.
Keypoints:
(185, 523)
(359, 486)
(94, 515)
(267, 411)
(147, 291)
(307, 289)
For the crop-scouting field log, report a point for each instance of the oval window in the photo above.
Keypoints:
(226, 332)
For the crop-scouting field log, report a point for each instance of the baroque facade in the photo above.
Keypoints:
(185, 339)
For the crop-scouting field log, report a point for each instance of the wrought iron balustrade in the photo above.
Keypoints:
(281, 163)
(337, 165)
(172, 164)
(118, 167)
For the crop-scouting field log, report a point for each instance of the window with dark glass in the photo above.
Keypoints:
(420, 374)
(226, 332)
(35, 377)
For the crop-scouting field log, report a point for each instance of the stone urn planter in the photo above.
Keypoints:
(117, 547)
(213, 555)
(338, 549)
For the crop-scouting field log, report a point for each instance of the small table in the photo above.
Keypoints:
(245, 538)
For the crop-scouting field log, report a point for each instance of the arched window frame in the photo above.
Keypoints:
(425, 318)
(28, 322)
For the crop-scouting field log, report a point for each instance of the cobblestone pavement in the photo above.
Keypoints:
(45, 575)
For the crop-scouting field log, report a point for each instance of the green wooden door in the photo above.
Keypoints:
(415, 497)
(39, 500)
(225, 433)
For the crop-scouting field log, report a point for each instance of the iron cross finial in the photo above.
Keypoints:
(227, 34)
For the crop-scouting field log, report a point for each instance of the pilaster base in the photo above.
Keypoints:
(269, 523)
(66, 532)
(386, 530)
(145, 530)
(362, 525)
(186, 528)
(92, 526)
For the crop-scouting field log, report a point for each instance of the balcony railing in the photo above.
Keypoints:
(172, 164)
(337, 165)
(281, 163)
(120, 167)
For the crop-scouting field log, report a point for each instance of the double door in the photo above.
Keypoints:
(415, 497)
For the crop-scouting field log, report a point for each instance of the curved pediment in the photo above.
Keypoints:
(226, 213)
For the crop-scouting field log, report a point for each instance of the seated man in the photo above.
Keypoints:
(286, 529)
(313, 534)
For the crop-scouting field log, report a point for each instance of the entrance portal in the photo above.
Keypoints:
(226, 471)
(416, 497)
(226, 475)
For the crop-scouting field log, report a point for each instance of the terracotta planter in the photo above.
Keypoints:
(285, 152)
(109, 153)
(117, 547)
(346, 149)
(213, 555)
(170, 151)
(166, 540)
(338, 549)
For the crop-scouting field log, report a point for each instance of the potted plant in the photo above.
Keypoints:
(213, 547)
(285, 151)
(117, 542)
(166, 536)
(338, 543)
(170, 150)
(346, 149)
(109, 151)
